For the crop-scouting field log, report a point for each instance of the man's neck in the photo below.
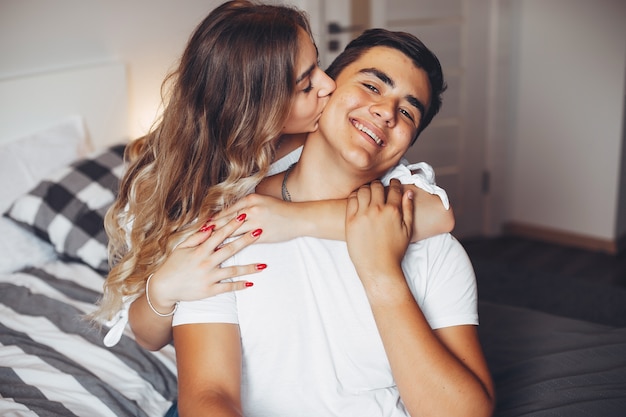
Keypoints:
(322, 174)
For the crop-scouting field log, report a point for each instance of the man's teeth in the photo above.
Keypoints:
(371, 134)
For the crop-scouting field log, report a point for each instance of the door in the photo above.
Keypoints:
(458, 32)
(331, 25)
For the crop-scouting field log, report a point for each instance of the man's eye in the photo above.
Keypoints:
(407, 114)
(371, 87)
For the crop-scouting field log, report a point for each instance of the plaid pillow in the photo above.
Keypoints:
(67, 209)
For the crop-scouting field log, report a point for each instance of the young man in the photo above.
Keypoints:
(356, 328)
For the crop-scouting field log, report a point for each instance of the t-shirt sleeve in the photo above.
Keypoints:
(221, 308)
(443, 281)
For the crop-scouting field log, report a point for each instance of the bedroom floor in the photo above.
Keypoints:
(556, 279)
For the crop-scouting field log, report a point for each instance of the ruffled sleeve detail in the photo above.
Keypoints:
(421, 175)
(117, 325)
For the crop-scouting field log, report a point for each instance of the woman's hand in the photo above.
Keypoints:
(279, 220)
(192, 271)
(378, 228)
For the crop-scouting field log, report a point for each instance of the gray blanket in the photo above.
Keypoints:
(546, 365)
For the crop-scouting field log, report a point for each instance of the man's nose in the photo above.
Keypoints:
(385, 111)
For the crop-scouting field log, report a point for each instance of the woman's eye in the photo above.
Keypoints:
(308, 88)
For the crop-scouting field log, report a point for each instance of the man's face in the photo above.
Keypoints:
(376, 109)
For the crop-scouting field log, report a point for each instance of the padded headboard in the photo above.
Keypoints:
(98, 93)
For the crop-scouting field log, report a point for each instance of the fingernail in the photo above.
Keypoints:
(207, 228)
(261, 267)
(249, 284)
(257, 232)
(241, 217)
(410, 194)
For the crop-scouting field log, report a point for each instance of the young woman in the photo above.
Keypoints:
(247, 82)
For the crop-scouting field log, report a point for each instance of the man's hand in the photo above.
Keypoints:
(378, 228)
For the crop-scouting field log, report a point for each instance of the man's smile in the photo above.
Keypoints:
(361, 127)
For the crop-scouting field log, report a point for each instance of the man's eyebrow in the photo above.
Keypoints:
(305, 73)
(417, 104)
(382, 76)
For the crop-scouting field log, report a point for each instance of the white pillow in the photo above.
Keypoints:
(19, 248)
(67, 208)
(25, 161)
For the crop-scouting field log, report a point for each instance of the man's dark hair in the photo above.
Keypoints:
(409, 45)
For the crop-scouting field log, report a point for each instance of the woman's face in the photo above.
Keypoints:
(313, 88)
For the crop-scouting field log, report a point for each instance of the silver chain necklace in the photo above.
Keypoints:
(284, 190)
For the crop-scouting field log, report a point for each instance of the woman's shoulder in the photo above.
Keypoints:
(289, 143)
(287, 154)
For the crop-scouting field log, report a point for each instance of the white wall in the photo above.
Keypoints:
(568, 109)
(146, 35)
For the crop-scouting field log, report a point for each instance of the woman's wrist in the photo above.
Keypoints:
(161, 307)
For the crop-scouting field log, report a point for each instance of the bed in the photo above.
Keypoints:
(547, 365)
(62, 136)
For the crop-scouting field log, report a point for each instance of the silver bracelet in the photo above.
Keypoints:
(171, 313)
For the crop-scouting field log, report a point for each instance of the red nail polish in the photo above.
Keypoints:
(257, 232)
(249, 284)
(207, 228)
(261, 267)
(241, 217)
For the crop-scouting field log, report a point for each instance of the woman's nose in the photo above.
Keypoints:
(328, 86)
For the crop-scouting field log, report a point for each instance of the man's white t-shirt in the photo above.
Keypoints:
(310, 343)
(421, 175)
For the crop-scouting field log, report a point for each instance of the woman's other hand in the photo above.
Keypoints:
(193, 271)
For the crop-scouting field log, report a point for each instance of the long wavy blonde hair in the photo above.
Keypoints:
(227, 103)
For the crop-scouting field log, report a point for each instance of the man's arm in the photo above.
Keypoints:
(454, 374)
(208, 359)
